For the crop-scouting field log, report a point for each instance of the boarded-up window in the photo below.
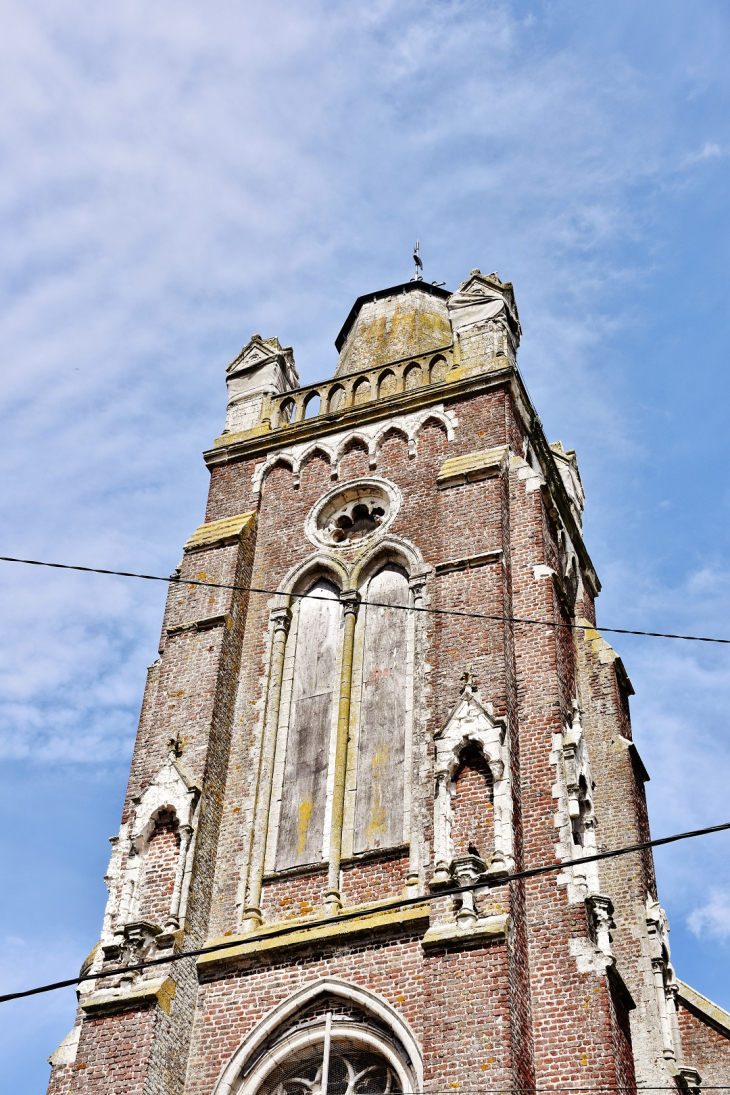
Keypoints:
(380, 776)
(304, 793)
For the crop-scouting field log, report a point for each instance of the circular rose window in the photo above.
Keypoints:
(350, 514)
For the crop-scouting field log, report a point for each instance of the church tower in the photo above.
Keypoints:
(353, 712)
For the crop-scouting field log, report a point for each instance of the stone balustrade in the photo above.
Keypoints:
(343, 392)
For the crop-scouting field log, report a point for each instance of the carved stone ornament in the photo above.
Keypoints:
(471, 721)
(354, 513)
(575, 818)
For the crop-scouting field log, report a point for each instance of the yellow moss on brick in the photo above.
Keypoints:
(334, 929)
(230, 528)
(472, 465)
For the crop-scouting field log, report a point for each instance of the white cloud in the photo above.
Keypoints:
(713, 918)
(709, 151)
(181, 176)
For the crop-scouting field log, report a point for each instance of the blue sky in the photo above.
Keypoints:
(177, 176)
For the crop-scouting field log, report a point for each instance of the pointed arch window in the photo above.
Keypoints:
(339, 1069)
(372, 684)
(381, 737)
(313, 700)
(347, 1041)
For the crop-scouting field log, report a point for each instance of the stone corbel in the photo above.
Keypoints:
(600, 912)
(466, 872)
(689, 1080)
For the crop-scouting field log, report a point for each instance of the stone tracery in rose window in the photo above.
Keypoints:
(355, 512)
(360, 521)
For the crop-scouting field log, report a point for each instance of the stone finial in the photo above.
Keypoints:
(468, 681)
(175, 746)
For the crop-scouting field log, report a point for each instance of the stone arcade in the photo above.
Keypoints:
(303, 758)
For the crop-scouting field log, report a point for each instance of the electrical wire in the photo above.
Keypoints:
(177, 580)
(386, 906)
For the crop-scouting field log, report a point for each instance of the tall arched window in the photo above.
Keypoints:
(313, 699)
(337, 734)
(381, 737)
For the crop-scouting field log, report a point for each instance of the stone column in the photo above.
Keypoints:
(441, 828)
(332, 898)
(417, 583)
(657, 965)
(281, 618)
(173, 920)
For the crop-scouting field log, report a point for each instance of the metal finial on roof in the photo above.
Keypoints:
(417, 260)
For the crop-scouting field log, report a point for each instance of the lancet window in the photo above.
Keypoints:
(310, 723)
(383, 714)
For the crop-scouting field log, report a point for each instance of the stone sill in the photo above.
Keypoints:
(445, 935)
(158, 990)
(470, 562)
(207, 624)
(266, 939)
(398, 851)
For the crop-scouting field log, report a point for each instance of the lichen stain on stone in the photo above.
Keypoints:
(395, 328)
(377, 826)
(305, 813)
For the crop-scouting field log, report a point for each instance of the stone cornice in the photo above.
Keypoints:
(221, 533)
(472, 466)
(135, 994)
(470, 562)
(483, 931)
(704, 1009)
(207, 624)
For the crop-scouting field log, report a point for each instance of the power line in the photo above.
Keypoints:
(386, 906)
(176, 579)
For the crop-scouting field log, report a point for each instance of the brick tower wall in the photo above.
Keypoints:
(549, 982)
